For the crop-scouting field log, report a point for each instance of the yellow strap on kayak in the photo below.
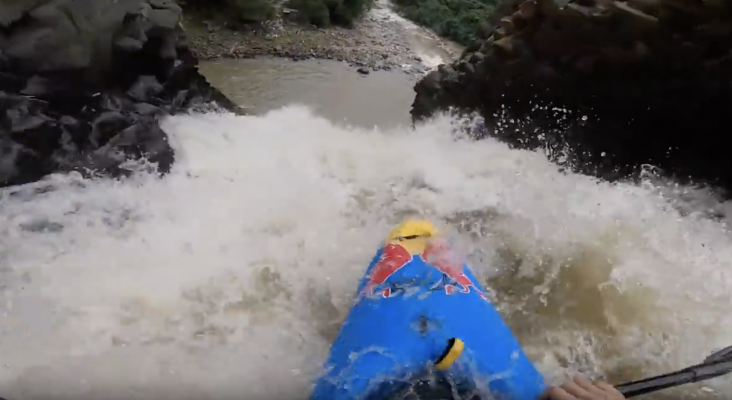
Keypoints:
(454, 349)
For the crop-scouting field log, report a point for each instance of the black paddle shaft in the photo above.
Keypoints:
(718, 364)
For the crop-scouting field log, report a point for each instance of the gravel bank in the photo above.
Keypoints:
(376, 43)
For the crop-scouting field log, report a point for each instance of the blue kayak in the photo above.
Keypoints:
(422, 327)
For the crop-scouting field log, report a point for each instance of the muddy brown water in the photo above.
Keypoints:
(332, 89)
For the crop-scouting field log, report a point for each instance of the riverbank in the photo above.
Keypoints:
(460, 21)
(379, 41)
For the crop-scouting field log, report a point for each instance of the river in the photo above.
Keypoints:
(330, 88)
(230, 276)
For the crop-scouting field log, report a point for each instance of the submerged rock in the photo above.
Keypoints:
(612, 84)
(83, 83)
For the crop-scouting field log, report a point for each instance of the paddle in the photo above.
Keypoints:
(717, 364)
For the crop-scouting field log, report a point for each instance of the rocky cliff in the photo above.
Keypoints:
(83, 83)
(612, 84)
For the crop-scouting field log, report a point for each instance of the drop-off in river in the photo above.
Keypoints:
(228, 278)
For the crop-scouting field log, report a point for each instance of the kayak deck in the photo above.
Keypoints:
(417, 298)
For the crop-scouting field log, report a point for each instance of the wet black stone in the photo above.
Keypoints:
(655, 94)
(72, 104)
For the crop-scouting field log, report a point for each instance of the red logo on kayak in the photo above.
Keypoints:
(441, 256)
(392, 259)
(436, 254)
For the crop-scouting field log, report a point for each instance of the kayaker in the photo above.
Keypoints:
(582, 389)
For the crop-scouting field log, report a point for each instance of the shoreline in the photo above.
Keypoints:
(377, 42)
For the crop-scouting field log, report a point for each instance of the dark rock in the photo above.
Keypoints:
(106, 126)
(385, 66)
(83, 83)
(145, 88)
(146, 109)
(639, 83)
(37, 86)
(363, 70)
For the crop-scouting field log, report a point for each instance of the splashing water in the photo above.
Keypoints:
(230, 276)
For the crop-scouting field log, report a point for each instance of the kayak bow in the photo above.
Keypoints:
(422, 322)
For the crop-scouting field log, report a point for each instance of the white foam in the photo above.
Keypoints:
(230, 275)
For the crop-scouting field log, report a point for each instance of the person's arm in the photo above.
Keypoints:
(582, 389)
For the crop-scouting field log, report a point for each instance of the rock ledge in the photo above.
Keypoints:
(83, 84)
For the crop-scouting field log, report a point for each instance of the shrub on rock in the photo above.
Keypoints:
(235, 12)
(322, 13)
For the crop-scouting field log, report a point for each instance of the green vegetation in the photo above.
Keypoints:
(320, 13)
(458, 20)
(234, 12)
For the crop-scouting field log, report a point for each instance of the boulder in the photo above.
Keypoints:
(605, 85)
(84, 82)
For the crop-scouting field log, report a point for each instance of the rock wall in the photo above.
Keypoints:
(84, 82)
(640, 81)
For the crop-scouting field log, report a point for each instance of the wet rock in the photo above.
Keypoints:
(613, 84)
(363, 70)
(144, 88)
(83, 83)
(417, 69)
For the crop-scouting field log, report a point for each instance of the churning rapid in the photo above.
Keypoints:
(229, 277)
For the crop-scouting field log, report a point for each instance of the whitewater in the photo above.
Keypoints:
(229, 277)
